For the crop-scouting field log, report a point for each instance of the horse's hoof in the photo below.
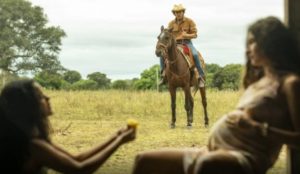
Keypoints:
(206, 125)
(189, 126)
(172, 126)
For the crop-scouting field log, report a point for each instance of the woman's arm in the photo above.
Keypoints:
(291, 138)
(243, 120)
(84, 155)
(291, 88)
(48, 155)
(284, 136)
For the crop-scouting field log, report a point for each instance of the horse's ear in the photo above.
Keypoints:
(162, 28)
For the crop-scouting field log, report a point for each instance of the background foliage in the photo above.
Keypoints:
(30, 46)
(27, 43)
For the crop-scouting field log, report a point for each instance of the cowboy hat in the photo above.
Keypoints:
(178, 7)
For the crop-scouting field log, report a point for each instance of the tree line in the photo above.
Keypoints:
(217, 77)
(29, 46)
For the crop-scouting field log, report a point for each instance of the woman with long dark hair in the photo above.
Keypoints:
(25, 146)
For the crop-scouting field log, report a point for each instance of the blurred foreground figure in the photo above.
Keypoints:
(25, 146)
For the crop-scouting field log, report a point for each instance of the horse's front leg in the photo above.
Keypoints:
(204, 104)
(189, 105)
(173, 106)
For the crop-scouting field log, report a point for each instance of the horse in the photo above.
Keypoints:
(178, 74)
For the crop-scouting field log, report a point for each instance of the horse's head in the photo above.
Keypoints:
(164, 42)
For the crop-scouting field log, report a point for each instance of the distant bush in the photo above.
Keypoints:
(84, 85)
(121, 84)
(100, 78)
(49, 80)
(228, 77)
(148, 79)
(72, 76)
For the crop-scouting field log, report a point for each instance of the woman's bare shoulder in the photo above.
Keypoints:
(291, 83)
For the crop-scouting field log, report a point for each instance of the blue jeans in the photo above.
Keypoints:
(196, 57)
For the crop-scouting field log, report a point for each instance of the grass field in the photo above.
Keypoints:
(83, 119)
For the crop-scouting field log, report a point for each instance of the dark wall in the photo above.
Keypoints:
(292, 19)
(292, 15)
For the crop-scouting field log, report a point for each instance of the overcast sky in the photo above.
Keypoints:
(118, 37)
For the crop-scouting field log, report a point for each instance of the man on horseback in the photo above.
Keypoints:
(184, 29)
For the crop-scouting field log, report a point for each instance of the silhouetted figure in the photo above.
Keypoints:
(25, 146)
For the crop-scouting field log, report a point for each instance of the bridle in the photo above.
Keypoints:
(166, 57)
(165, 54)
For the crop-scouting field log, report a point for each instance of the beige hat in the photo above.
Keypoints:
(178, 7)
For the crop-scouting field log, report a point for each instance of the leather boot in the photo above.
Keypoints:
(163, 79)
(201, 82)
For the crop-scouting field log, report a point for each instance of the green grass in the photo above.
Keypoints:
(83, 119)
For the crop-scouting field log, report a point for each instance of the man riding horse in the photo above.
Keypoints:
(184, 29)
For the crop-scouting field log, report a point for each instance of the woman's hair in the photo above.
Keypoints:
(252, 74)
(276, 42)
(20, 116)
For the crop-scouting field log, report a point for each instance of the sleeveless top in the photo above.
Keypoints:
(265, 102)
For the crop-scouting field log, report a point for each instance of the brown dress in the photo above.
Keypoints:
(265, 102)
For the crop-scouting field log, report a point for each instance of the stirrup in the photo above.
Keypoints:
(201, 82)
(162, 81)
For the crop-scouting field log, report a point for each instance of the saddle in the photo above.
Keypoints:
(188, 56)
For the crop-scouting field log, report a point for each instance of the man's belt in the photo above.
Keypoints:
(183, 41)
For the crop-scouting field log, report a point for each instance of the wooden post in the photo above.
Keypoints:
(292, 20)
(157, 81)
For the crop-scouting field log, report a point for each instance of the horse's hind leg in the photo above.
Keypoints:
(204, 104)
(173, 106)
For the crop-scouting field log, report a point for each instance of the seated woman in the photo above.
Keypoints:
(247, 140)
(25, 146)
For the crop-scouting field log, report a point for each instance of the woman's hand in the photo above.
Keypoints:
(127, 134)
(241, 119)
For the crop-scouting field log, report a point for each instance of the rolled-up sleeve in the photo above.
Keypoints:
(193, 27)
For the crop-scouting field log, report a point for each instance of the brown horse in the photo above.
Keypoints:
(178, 74)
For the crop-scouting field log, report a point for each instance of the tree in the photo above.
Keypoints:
(228, 77)
(50, 80)
(100, 78)
(211, 70)
(148, 79)
(121, 84)
(27, 43)
(84, 85)
(72, 76)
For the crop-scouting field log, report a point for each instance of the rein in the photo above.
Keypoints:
(166, 57)
(165, 50)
